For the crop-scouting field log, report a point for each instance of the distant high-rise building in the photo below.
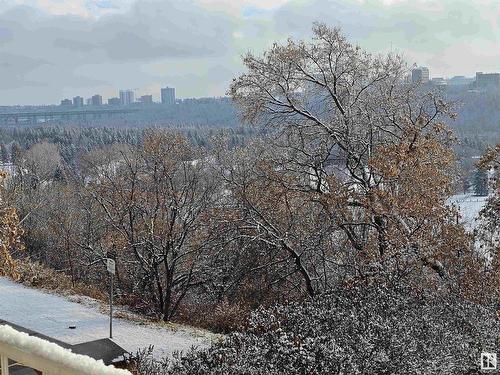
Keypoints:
(146, 99)
(420, 74)
(168, 95)
(487, 80)
(114, 101)
(66, 102)
(126, 97)
(96, 100)
(88, 101)
(78, 101)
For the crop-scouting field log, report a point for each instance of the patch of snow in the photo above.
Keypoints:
(51, 315)
(469, 207)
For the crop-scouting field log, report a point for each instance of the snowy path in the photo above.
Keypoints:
(51, 315)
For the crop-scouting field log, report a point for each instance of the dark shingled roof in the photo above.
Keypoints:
(104, 349)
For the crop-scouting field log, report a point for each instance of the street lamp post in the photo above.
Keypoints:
(111, 267)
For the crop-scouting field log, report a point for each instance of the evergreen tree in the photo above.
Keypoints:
(481, 183)
(16, 152)
(4, 153)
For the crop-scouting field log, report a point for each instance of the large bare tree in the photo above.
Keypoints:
(370, 146)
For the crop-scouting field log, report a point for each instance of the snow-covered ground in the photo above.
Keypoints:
(51, 315)
(469, 207)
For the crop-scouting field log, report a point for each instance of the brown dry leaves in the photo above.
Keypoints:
(10, 234)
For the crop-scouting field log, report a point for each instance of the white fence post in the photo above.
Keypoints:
(4, 362)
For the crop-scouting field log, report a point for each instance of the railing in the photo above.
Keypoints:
(18, 350)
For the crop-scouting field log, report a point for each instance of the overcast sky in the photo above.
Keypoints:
(52, 49)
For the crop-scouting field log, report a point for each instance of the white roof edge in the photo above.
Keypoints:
(55, 353)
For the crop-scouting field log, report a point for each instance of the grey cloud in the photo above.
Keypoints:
(180, 42)
(103, 4)
(23, 63)
(5, 35)
(130, 46)
(14, 70)
(74, 45)
(421, 26)
(157, 29)
(451, 37)
(95, 49)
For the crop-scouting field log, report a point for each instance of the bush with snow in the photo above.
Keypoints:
(371, 330)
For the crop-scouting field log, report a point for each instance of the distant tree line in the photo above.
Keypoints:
(73, 141)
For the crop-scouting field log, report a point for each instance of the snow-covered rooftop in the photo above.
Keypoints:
(38, 349)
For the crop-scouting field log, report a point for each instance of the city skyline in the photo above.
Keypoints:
(123, 97)
(167, 94)
(51, 49)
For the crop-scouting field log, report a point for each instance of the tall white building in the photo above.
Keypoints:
(126, 97)
(168, 95)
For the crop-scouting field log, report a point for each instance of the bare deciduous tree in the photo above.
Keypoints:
(355, 129)
(155, 199)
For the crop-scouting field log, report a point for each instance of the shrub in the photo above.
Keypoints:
(222, 317)
(371, 330)
(35, 274)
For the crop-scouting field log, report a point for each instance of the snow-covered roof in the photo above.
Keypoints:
(37, 348)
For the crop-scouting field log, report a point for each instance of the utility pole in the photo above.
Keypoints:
(111, 267)
(111, 305)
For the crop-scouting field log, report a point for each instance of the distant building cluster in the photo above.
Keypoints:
(486, 80)
(125, 98)
(481, 81)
